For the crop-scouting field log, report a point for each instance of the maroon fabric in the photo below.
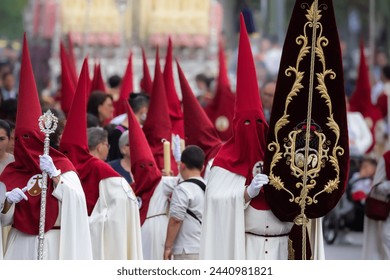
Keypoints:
(386, 157)
(74, 144)
(360, 100)
(146, 83)
(126, 88)
(157, 125)
(222, 105)
(28, 147)
(307, 156)
(143, 166)
(381, 104)
(174, 105)
(198, 128)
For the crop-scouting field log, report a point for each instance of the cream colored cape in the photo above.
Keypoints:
(71, 242)
(115, 222)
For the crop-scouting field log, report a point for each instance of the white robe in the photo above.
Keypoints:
(227, 221)
(376, 234)
(71, 242)
(154, 228)
(223, 225)
(115, 222)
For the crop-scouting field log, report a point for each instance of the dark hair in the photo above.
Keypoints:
(96, 99)
(92, 120)
(55, 137)
(5, 75)
(370, 160)
(114, 81)
(8, 109)
(11, 124)
(201, 77)
(386, 71)
(4, 125)
(138, 100)
(193, 157)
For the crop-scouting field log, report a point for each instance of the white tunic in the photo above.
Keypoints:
(223, 225)
(115, 222)
(71, 242)
(376, 234)
(154, 228)
(271, 241)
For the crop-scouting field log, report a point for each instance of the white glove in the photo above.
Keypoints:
(257, 182)
(16, 195)
(176, 149)
(46, 164)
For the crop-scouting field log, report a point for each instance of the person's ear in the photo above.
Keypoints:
(182, 166)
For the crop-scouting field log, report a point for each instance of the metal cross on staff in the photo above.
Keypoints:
(47, 124)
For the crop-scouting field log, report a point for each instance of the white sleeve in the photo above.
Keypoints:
(169, 183)
(179, 203)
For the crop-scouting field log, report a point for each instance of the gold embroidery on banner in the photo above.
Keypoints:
(291, 251)
(307, 159)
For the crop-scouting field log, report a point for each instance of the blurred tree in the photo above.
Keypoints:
(11, 18)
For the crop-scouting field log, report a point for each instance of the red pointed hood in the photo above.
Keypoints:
(174, 105)
(126, 88)
(361, 97)
(29, 143)
(157, 125)
(360, 100)
(200, 132)
(75, 131)
(247, 144)
(74, 144)
(97, 80)
(221, 109)
(68, 84)
(143, 166)
(146, 82)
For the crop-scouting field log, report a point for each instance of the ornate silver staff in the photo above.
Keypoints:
(47, 124)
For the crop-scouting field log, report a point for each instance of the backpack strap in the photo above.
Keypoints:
(203, 187)
(196, 182)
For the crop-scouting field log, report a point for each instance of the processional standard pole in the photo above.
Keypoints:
(47, 124)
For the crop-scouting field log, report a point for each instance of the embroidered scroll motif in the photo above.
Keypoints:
(307, 149)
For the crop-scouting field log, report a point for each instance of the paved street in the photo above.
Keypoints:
(348, 246)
